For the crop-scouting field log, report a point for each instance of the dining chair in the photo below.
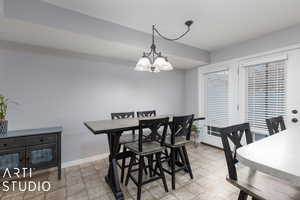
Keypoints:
(125, 138)
(152, 113)
(274, 124)
(149, 113)
(125, 115)
(176, 142)
(251, 183)
(149, 144)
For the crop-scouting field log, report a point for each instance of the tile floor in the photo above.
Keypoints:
(86, 182)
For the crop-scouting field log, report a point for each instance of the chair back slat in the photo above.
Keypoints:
(150, 113)
(122, 115)
(154, 125)
(181, 126)
(234, 134)
(274, 124)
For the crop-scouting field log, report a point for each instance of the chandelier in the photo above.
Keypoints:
(154, 61)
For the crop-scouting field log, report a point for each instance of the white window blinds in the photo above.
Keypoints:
(266, 93)
(217, 100)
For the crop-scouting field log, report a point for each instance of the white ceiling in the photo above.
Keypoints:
(218, 23)
(39, 35)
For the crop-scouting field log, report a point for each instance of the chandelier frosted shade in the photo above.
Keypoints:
(160, 61)
(162, 64)
(143, 64)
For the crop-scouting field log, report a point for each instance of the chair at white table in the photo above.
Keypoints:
(252, 183)
(275, 125)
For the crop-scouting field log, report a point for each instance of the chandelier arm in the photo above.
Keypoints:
(171, 39)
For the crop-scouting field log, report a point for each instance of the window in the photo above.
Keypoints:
(217, 100)
(266, 93)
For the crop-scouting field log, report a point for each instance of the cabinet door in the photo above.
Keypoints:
(13, 158)
(42, 156)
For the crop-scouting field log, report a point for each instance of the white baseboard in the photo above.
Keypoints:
(84, 160)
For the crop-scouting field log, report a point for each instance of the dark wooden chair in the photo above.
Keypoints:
(149, 144)
(150, 113)
(180, 136)
(125, 138)
(274, 124)
(251, 183)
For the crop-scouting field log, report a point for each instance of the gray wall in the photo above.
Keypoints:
(67, 90)
(191, 91)
(280, 39)
(1, 8)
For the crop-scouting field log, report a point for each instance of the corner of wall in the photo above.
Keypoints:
(1, 8)
(191, 91)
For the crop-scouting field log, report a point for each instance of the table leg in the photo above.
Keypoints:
(112, 178)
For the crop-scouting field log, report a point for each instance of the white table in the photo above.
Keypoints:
(277, 155)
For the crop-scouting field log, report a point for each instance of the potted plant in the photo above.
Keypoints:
(194, 133)
(194, 130)
(3, 111)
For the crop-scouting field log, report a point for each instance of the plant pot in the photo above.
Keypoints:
(194, 133)
(3, 126)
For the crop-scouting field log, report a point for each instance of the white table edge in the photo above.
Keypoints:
(295, 180)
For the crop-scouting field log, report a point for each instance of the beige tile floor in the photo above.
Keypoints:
(86, 182)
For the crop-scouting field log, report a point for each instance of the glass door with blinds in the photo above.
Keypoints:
(269, 87)
(216, 105)
(266, 93)
(251, 91)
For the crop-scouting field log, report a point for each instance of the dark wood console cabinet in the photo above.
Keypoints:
(31, 148)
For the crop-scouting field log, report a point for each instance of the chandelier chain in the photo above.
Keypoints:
(171, 39)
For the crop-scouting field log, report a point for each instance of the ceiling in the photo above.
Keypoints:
(39, 35)
(218, 23)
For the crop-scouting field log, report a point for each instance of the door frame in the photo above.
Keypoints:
(231, 67)
(292, 81)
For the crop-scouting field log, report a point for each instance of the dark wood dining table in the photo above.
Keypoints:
(114, 129)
